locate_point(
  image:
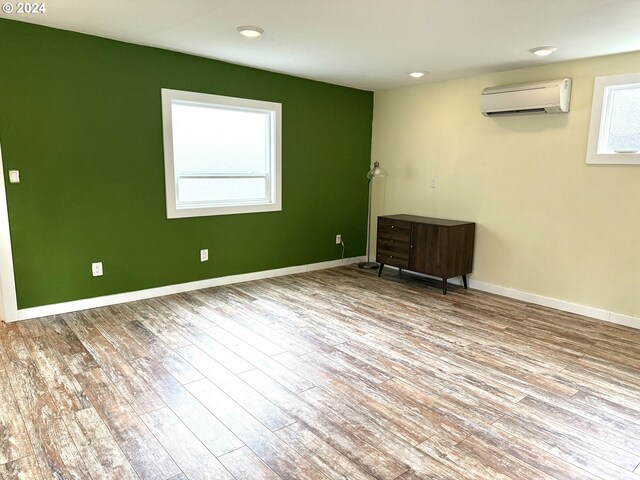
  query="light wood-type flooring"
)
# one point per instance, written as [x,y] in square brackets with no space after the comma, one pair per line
[335,374]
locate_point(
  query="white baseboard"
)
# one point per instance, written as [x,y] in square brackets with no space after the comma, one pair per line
[584,310]
[625,320]
[74,306]
[543,301]
[57,308]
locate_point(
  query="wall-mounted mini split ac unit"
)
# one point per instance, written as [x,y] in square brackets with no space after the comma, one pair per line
[551,96]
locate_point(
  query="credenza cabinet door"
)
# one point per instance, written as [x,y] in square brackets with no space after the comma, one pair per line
[426,246]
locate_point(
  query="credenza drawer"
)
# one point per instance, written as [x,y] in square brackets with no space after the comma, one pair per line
[394,230]
[394,242]
[392,258]
[394,246]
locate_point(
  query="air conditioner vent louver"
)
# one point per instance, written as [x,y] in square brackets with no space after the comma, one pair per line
[551,96]
[516,112]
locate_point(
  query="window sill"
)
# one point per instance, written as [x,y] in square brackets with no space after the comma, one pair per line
[228,210]
[614,159]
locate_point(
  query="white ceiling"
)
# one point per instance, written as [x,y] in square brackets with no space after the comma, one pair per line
[369,44]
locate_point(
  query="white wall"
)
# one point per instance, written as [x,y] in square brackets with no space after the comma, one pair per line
[547,223]
[8,304]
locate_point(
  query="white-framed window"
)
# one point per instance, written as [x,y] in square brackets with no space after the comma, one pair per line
[614,133]
[222,155]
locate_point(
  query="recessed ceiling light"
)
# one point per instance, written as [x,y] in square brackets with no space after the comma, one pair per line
[416,74]
[543,51]
[250,31]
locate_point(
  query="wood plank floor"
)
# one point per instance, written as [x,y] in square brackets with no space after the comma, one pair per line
[335,374]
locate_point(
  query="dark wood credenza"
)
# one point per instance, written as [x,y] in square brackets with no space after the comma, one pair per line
[433,246]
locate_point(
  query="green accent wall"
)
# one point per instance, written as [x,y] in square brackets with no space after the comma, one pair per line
[80,117]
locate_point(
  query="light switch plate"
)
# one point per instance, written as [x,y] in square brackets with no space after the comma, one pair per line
[14,176]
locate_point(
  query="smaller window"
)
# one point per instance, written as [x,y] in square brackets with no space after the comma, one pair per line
[614,134]
[222,154]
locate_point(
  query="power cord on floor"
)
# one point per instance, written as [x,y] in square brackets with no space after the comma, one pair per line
[342,243]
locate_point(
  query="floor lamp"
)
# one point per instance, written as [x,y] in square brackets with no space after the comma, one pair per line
[375,172]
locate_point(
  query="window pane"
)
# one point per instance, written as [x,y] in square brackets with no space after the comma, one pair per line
[215,139]
[624,130]
[222,154]
[224,190]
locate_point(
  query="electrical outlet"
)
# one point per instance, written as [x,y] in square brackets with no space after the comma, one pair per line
[204,255]
[96,269]
[338,239]
[434,182]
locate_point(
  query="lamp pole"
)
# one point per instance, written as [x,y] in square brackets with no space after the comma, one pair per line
[376,171]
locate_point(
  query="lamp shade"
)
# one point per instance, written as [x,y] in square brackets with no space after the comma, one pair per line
[376,171]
